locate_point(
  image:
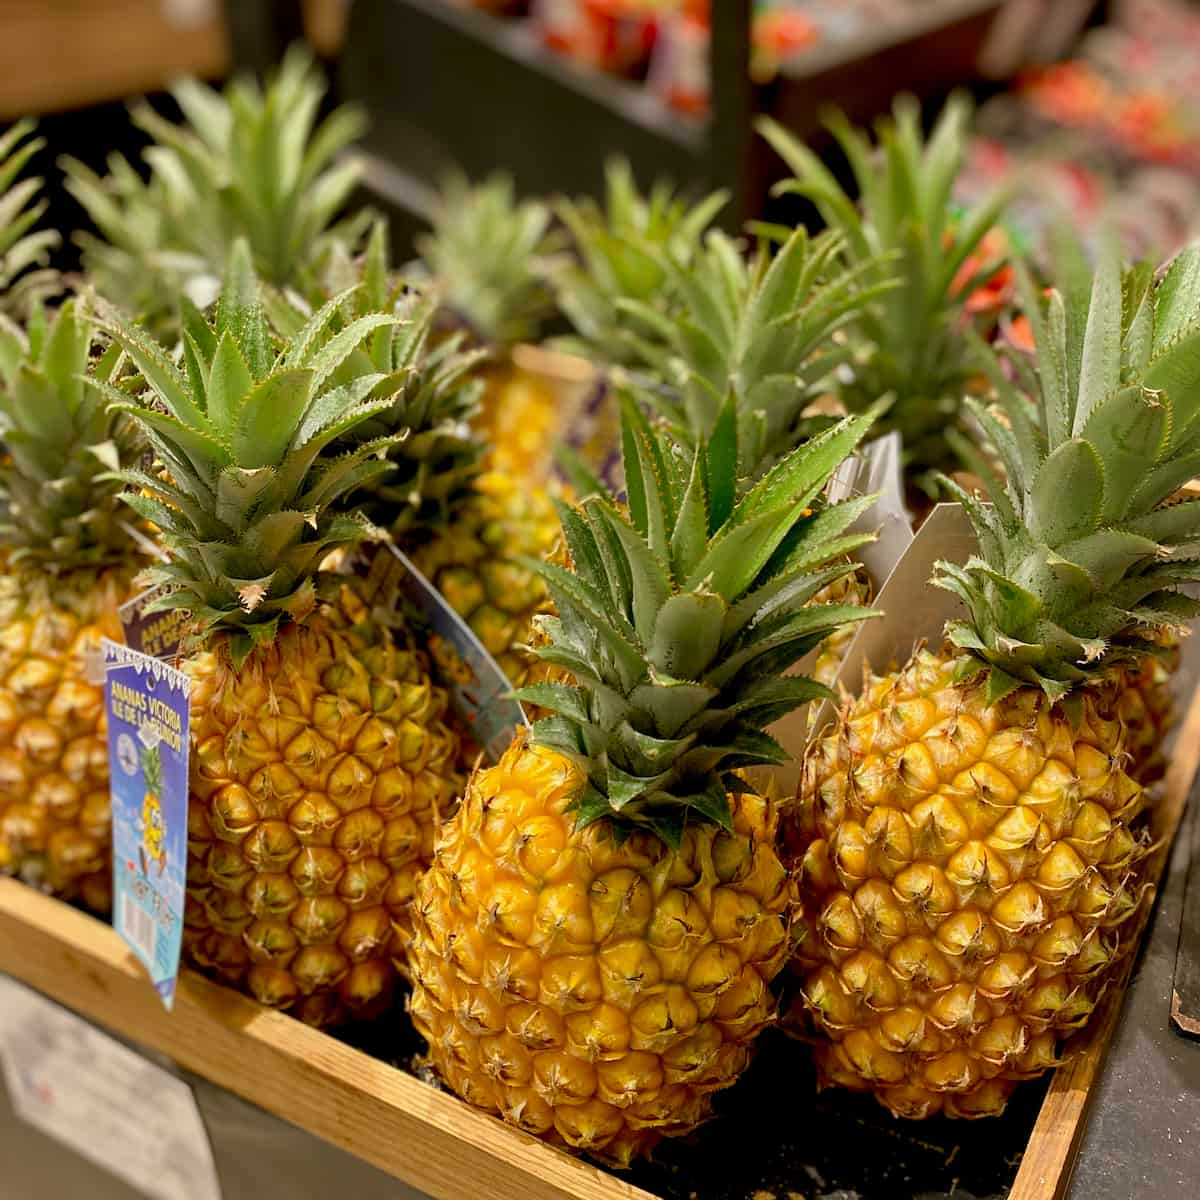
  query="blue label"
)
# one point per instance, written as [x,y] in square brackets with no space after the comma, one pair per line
[479,690]
[146,702]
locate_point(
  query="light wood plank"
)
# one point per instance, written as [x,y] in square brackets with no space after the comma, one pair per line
[71,53]
[422,1136]
[1046,1166]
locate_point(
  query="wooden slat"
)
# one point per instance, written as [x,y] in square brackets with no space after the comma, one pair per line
[390,1119]
[70,53]
[1046,1165]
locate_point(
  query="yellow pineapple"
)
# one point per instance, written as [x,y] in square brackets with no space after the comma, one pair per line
[464,521]
[1147,707]
[594,943]
[969,837]
[67,561]
[320,760]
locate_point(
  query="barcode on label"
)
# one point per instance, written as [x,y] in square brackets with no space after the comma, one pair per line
[137,927]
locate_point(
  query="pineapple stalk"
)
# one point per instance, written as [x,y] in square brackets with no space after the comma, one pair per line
[622,253]
[620,268]
[969,838]
[910,344]
[67,557]
[320,761]
[594,942]
[26,280]
[249,162]
[765,331]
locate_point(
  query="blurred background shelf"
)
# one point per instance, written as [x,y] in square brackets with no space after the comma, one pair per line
[64,54]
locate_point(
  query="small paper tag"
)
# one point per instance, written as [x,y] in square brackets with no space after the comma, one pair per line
[156,633]
[103,1100]
[479,690]
[914,611]
[876,468]
[146,702]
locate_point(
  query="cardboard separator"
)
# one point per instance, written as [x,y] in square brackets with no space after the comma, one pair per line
[914,611]
[877,468]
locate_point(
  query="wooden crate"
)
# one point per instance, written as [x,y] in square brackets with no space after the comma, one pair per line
[390,1119]
[71,53]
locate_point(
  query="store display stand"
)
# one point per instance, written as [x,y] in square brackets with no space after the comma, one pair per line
[394,1121]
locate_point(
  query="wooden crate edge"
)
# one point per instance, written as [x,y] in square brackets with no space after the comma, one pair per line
[426,1138]
[1045,1170]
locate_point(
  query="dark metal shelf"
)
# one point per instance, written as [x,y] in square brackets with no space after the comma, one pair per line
[627,99]
[449,86]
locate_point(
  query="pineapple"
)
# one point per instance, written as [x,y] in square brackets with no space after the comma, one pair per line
[969,838]
[67,558]
[320,759]
[595,940]
[463,521]
[489,254]
[248,162]
[26,280]
[912,344]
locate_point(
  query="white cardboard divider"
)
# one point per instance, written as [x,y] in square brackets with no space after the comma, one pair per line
[914,611]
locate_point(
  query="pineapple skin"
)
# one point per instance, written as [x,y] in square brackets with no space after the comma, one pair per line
[319,773]
[590,993]
[55,815]
[473,564]
[969,878]
[850,589]
[520,419]
[1148,711]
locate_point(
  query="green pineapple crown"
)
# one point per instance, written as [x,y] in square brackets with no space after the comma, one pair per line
[432,384]
[910,343]
[60,506]
[152,769]
[621,248]
[26,281]
[250,500]
[250,162]
[759,331]
[489,255]
[433,389]
[1081,551]
[679,618]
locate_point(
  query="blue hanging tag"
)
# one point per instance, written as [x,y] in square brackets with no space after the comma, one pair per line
[146,703]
